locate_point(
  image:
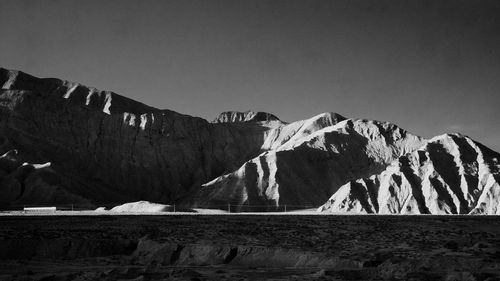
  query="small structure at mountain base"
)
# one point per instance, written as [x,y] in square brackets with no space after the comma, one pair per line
[39,209]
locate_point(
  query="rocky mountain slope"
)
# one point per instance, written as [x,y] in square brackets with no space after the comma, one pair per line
[65,143]
[450,174]
[300,170]
[109,149]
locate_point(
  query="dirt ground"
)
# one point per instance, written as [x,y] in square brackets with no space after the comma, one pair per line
[250,247]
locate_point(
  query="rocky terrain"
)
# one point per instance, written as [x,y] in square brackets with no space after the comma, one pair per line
[316,159]
[63,143]
[203,247]
[450,174]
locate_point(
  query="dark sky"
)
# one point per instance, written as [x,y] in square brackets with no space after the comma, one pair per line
[429,66]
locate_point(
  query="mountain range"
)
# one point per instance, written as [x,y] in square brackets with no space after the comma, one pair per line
[64,143]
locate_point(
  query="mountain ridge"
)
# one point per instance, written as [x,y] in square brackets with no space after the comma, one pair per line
[324,159]
[450,174]
[247,116]
[65,143]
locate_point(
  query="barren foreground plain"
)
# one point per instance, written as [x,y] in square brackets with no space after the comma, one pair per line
[250,247]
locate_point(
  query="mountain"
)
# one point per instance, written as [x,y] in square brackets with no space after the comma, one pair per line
[308,161]
[450,174]
[64,143]
[108,149]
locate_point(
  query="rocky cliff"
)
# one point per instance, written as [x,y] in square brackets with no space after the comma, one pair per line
[65,143]
[450,174]
[109,149]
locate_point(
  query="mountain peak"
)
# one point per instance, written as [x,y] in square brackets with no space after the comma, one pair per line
[247,116]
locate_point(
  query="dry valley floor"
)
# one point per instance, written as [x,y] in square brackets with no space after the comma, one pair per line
[210,247]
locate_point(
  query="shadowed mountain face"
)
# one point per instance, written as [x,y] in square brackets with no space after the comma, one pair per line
[66,143]
[106,148]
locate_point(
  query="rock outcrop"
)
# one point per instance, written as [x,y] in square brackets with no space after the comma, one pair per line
[29,184]
[450,174]
[248,116]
